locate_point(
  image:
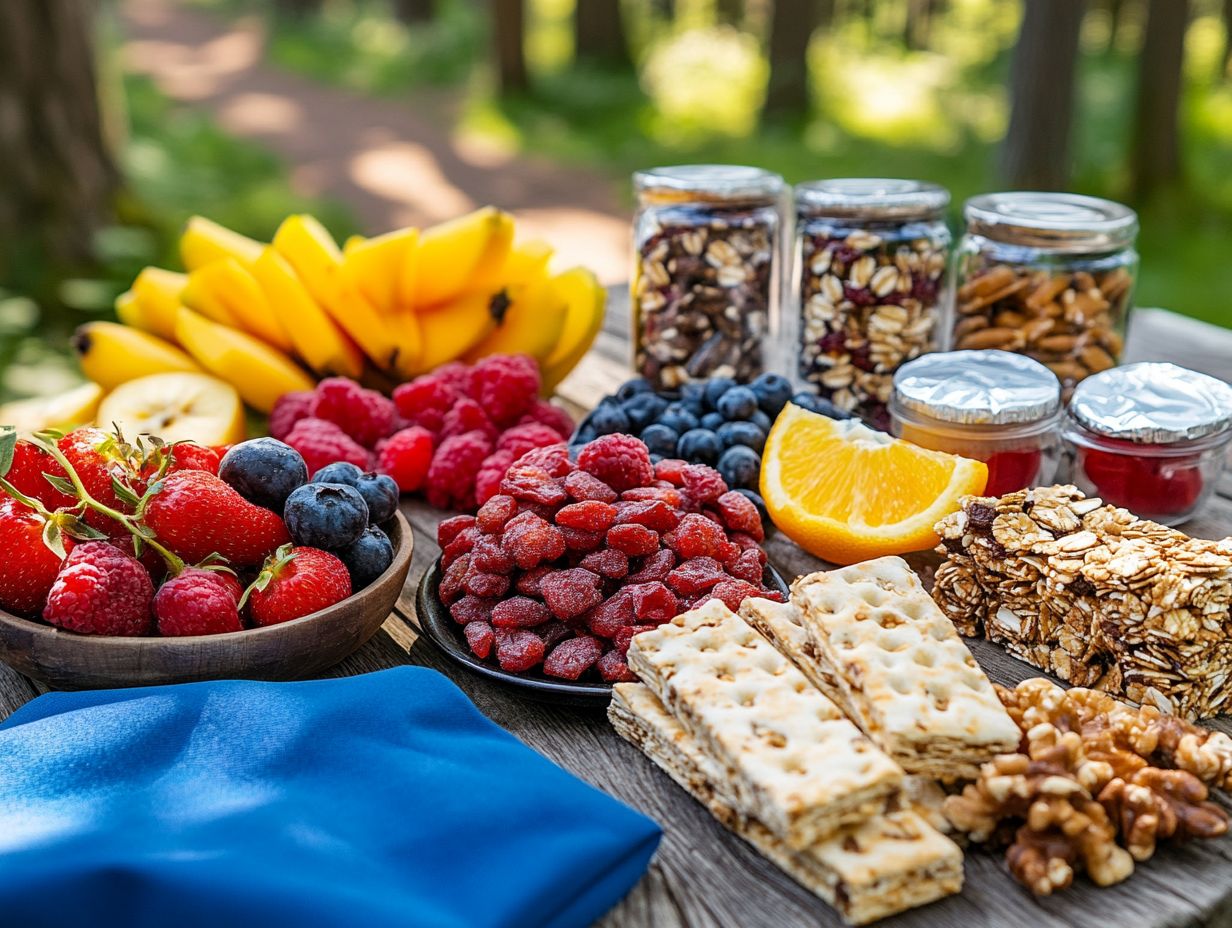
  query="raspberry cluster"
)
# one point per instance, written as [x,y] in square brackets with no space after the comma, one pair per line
[567,561]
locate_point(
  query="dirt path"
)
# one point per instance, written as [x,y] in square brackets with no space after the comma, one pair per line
[393,162]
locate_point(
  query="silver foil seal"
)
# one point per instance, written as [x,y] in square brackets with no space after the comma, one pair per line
[1152,403]
[988,387]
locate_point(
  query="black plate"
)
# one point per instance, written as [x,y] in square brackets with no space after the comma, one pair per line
[445,633]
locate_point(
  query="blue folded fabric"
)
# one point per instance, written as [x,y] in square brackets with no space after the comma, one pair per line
[380,800]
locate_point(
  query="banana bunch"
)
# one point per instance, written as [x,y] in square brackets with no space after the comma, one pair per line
[272,318]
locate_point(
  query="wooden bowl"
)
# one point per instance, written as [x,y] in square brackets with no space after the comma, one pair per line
[299,648]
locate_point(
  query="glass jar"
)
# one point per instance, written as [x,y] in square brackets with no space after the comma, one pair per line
[871,257]
[705,282]
[1150,437]
[992,406]
[1049,275]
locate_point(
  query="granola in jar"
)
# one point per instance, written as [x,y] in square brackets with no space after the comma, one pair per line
[871,256]
[706,271]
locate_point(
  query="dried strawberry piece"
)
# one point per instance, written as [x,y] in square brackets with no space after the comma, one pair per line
[578,540]
[553,632]
[498,510]
[471,609]
[589,515]
[489,556]
[482,584]
[746,567]
[651,513]
[608,563]
[451,579]
[528,583]
[581,486]
[653,602]
[625,635]
[696,536]
[449,529]
[696,575]
[518,649]
[671,470]
[520,612]
[740,515]
[530,540]
[734,592]
[610,616]
[533,484]
[728,553]
[613,669]
[669,496]
[704,483]
[655,567]
[554,459]
[569,593]
[633,540]
[747,543]
[463,543]
[570,659]
[480,637]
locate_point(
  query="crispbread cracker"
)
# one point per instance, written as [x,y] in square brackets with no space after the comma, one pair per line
[907,678]
[890,863]
[793,759]
[782,624]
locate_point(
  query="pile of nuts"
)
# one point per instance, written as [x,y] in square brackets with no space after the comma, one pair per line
[702,299]
[1067,320]
[868,305]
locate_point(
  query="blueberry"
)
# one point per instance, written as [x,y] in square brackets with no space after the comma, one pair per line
[678,417]
[367,557]
[264,471]
[325,515]
[762,421]
[379,491]
[712,420]
[823,407]
[742,433]
[643,409]
[607,419]
[339,472]
[740,467]
[584,434]
[716,388]
[757,501]
[737,403]
[631,388]
[773,392]
[693,397]
[700,446]
[660,439]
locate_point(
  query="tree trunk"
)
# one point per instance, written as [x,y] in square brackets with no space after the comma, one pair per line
[1116,20]
[509,27]
[730,12]
[415,11]
[791,27]
[1035,153]
[599,32]
[58,180]
[1156,154]
[918,25]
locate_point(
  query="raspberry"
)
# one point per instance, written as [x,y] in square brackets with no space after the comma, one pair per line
[591,516]
[703,483]
[528,583]
[321,443]
[570,659]
[696,536]
[609,617]
[620,461]
[365,415]
[479,636]
[553,632]
[485,585]
[734,592]
[533,484]
[633,540]
[495,512]
[532,540]
[740,515]
[553,417]
[582,486]
[577,539]
[656,567]
[449,529]
[613,669]
[198,602]
[671,470]
[100,590]
[608,563]
[696,575]
[653,602]
[523,438]
[471,608]
[518,650]
[451,477]
[467,416]
[406,456]
[489,556]
[668,496]
[491,473]
[652,514]
[451,580]
[747,567]
[552,458]
[520,612]
[456,375]
[288,410]
[425,400]
[569,593]
[506,386]
[464,543]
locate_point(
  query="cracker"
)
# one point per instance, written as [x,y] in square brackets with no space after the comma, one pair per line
[890,863]
[782,624]
[906,676]
[794,761]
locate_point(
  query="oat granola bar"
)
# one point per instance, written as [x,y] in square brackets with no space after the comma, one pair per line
[1093,594]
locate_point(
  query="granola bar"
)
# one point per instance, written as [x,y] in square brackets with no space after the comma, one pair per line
[1094,595]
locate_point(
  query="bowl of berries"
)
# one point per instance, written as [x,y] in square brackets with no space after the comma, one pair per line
[139,563]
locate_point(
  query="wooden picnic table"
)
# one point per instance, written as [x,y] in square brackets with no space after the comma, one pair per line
[702,876]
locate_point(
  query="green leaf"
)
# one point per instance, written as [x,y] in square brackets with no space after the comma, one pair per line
[54,539]
[63,484]
[124,493]
[72,526]
[8,444]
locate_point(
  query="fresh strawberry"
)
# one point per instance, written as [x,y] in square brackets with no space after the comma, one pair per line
[91,453]
[100,591]
[30,463]
[28,567]
[297,582]
[198,602]
[196,514]
[186,455]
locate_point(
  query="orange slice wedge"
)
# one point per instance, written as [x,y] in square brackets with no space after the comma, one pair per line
[846,493]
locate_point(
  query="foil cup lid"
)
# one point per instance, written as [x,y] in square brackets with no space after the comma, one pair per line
[987,387]
[1153,403]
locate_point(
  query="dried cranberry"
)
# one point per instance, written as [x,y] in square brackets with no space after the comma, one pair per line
[633,540]
[518,649]
[480,637]
[581,486]
[530,540]
[696,575]
[519,612]
[570,659]
[498,510]
[588,515]
[569,593]
[608,563]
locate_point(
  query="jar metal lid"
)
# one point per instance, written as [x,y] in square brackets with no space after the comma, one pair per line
[685,183]
[871,198]
[986,387]
[1060,222]
[1152,403]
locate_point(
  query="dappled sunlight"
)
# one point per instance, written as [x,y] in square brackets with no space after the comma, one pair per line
[261,114]
[408,174]
[196,72]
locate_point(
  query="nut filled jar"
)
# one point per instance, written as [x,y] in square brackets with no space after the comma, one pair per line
[1049,275]
[706,272]
[992,406]
[1150,437]
[871,262]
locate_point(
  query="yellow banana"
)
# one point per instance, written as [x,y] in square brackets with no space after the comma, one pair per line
[226,292]
[527,260]
[205,241]
[451,330]
[111,354]
[585,299]
[389,341]
[531,322]
[463,255]
[382,268]
[63,411]
[159,293]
